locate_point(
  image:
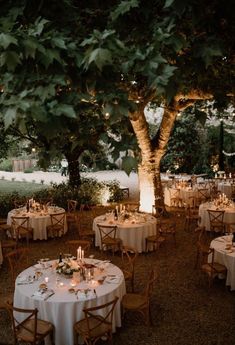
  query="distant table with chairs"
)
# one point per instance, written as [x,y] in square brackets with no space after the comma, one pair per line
[229,213]
[225,254]
[63,302]
[132,230]
[183,194]
[226,188]
[38,219]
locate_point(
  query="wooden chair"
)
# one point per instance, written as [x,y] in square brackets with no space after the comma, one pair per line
[129,256]
[191,217]
[203,241]
[95,326]
[167,228]
[108,237]
[208,264]
[56,228]
[21,228]
[31,330]
[71,212]
[84,229]
[202,196]
[175,199]
[8,242]
[229,227]
[73,245]
[216,218]
[19,203]
[155,240]
[18,260]
[140,302]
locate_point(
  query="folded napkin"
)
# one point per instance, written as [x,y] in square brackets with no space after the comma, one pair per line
[43,295]
[24,280]
[112,279]
[85,294]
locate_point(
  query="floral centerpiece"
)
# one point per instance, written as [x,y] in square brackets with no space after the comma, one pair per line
[67,267]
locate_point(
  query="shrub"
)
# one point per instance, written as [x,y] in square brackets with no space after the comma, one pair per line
[6,165]
[28,170]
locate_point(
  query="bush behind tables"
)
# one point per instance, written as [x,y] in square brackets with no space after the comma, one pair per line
[89,193]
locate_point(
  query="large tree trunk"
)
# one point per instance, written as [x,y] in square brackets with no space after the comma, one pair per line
[152,151]
[73,168]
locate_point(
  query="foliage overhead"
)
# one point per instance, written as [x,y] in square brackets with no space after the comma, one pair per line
[59,57]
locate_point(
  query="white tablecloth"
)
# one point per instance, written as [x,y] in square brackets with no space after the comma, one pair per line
[226,188]
[37,220]
[131,234]
[184,194]
[229,215]
[63,309]
[225,257]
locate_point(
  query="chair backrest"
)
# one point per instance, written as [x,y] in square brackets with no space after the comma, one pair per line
[19,326]
[204,252]
[19,225]
[71,206]
[107,231]
[73,245]
[149,286]
[19,203]
[93,313]
[129,256]
[18,260]
[174,193]
[216,217]
[58,219]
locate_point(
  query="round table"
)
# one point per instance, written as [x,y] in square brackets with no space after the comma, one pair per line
[226,257]
[63,308]
[132,231]
[229,214]
[226,188]
[38,220]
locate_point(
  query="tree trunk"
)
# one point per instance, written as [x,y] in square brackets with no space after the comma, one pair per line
[73,169]
[152,151]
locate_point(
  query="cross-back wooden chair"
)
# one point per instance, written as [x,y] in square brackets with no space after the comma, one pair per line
[208,264]
[73,245]
[31,330]
[202,195]
[57,226]
[140,302]
[95,326]
[175,198]
[18,260]
[21,228]
[129,256]
[154,240]
[108,237]
[191,216]
[84,229]
[19,203]
[216,218]
[202,242]
[167,227]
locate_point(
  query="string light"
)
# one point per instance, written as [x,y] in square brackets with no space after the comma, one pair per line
[229,154]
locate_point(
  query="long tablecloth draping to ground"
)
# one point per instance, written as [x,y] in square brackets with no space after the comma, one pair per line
[64,308]
[132,231]
[226,257]
[38,220]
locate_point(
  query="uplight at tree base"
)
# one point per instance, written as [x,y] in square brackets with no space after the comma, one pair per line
[146,196]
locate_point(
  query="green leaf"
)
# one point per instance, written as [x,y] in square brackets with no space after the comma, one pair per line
[168,3]
[129,163]
[11,59]
[30,47]
[66,110]
[6,40]
[45,92]
[123,8]
[58,42]
[100,57]
[9,117]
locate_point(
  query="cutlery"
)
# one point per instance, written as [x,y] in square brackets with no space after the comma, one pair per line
[95,293]
[49,296]
[24,283]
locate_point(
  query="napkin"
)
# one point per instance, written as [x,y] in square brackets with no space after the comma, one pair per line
[43,295]
[112,279]
[85,294]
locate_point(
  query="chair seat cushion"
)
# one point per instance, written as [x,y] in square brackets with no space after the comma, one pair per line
[217,268]
[111,241]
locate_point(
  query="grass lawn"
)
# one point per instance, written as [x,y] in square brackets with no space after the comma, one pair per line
[23,188]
